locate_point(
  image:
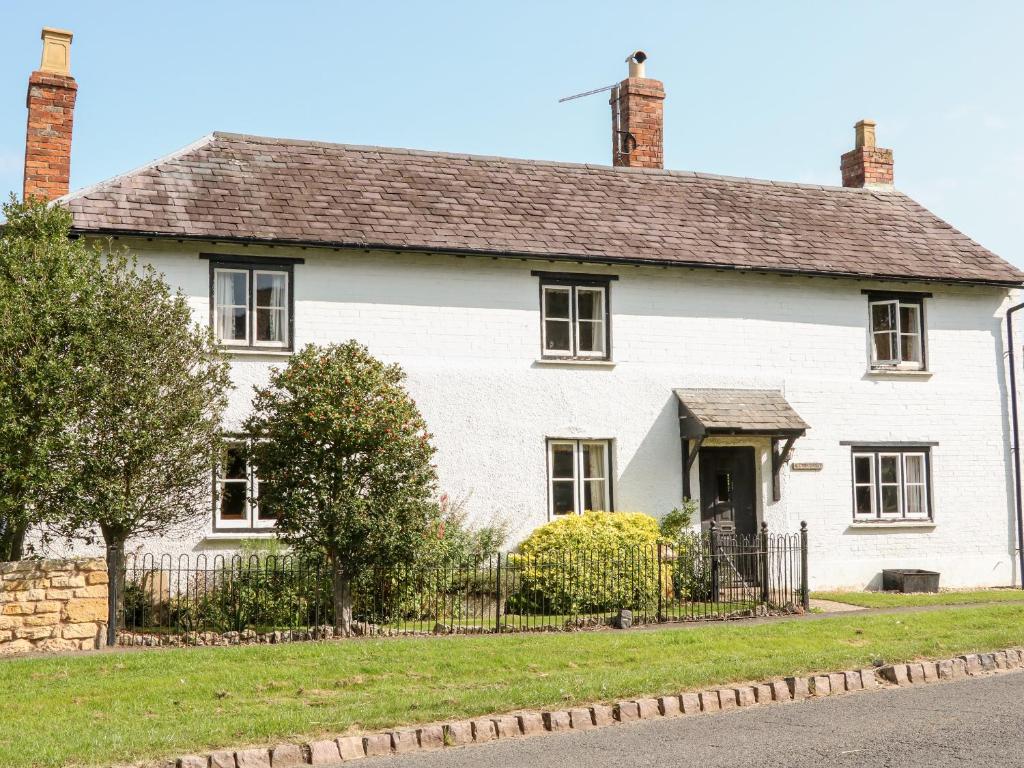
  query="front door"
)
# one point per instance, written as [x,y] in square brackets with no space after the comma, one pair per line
[727,492]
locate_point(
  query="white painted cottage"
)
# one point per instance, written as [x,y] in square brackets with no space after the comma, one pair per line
[607,337]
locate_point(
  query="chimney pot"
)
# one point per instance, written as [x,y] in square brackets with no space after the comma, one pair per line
[56,51]
[864,133]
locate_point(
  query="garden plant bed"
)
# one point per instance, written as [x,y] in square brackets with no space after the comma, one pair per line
[132,707]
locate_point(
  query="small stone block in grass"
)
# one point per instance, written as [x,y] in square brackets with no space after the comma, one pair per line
[972,662]
[580,718]
[988,661]
[852,681]
[895,673]
[403,742]
[556,721]
[377,744]
[287,756]
[868,679]
[351,747]
[727,698]
[648,708]
[626,711]
[324,753]
[709,701]
[432,736]
[193,761]
[483,730]
[959,668]
[820,685]
[1012,657]
[944,669]
[762,693]
[669,706]
[603,714]
[915,672]
[252,758]
[222,760]
[931,671]
[506,726]
[1000,658]
[457,734]
[531,723]
[690,703]
[837,682]
[780,691]
[745,696]
[798,688]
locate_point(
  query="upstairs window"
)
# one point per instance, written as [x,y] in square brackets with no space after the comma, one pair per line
[251,303]
[897,331]
[574,316]
[579,476]
[236,490]
[891,484]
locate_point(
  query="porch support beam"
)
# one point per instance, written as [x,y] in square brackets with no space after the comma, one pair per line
[690,450]
[779,458]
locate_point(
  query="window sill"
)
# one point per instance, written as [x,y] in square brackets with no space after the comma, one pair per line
[569,361]
[896,373]
[256,352]
[241,535]
[879,525]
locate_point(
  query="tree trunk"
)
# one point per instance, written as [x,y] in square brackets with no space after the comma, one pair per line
[12,541]
[341,588]
[115,581]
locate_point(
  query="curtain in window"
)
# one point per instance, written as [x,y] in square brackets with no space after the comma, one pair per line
[232,305]
[271,307]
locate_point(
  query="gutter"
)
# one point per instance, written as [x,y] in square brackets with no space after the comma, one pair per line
[498,253]
[1015,426]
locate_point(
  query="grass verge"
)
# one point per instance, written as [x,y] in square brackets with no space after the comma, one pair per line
[895,599]
[108,708]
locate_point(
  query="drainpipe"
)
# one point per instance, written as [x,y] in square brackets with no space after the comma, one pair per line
[1015,425]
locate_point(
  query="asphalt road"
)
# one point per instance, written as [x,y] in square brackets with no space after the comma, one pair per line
[974,722]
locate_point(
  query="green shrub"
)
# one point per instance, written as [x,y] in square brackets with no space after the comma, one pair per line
[679,521]
[596,562]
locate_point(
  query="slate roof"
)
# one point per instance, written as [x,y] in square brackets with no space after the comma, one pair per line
[710,411]
[229,186]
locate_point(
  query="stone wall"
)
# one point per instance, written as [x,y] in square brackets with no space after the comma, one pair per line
[53,605]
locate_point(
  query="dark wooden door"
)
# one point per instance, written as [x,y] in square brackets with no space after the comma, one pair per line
[727,492]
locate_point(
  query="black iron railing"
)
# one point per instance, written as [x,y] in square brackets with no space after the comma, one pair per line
[276,598]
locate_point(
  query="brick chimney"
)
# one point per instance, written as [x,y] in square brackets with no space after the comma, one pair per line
[51,108]
[866,165]
[637,123]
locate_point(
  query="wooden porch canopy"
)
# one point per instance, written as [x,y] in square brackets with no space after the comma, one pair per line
[707,413]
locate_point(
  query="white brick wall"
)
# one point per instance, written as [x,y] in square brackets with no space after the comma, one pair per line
[466,330]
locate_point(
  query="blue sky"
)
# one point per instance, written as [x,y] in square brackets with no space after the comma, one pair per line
[769,90]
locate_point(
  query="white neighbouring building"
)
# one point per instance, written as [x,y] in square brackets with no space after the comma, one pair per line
[610,337]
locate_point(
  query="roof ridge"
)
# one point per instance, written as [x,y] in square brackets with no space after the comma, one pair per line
[547,163]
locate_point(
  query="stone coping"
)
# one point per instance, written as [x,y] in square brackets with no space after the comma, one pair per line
[534,723]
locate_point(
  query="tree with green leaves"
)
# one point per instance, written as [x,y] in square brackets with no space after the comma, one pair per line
[149,398]
[345,462]
[48,288]
[111,396]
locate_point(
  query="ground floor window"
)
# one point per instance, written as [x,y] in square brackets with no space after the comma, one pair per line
[891,483]
[579,476]
[236,490]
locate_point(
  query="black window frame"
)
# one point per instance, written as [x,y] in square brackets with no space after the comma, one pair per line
[252,264]
[910,298]
[574,281]
[876,451]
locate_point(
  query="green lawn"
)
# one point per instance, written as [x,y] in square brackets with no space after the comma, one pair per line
[895,599]
[107,708]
